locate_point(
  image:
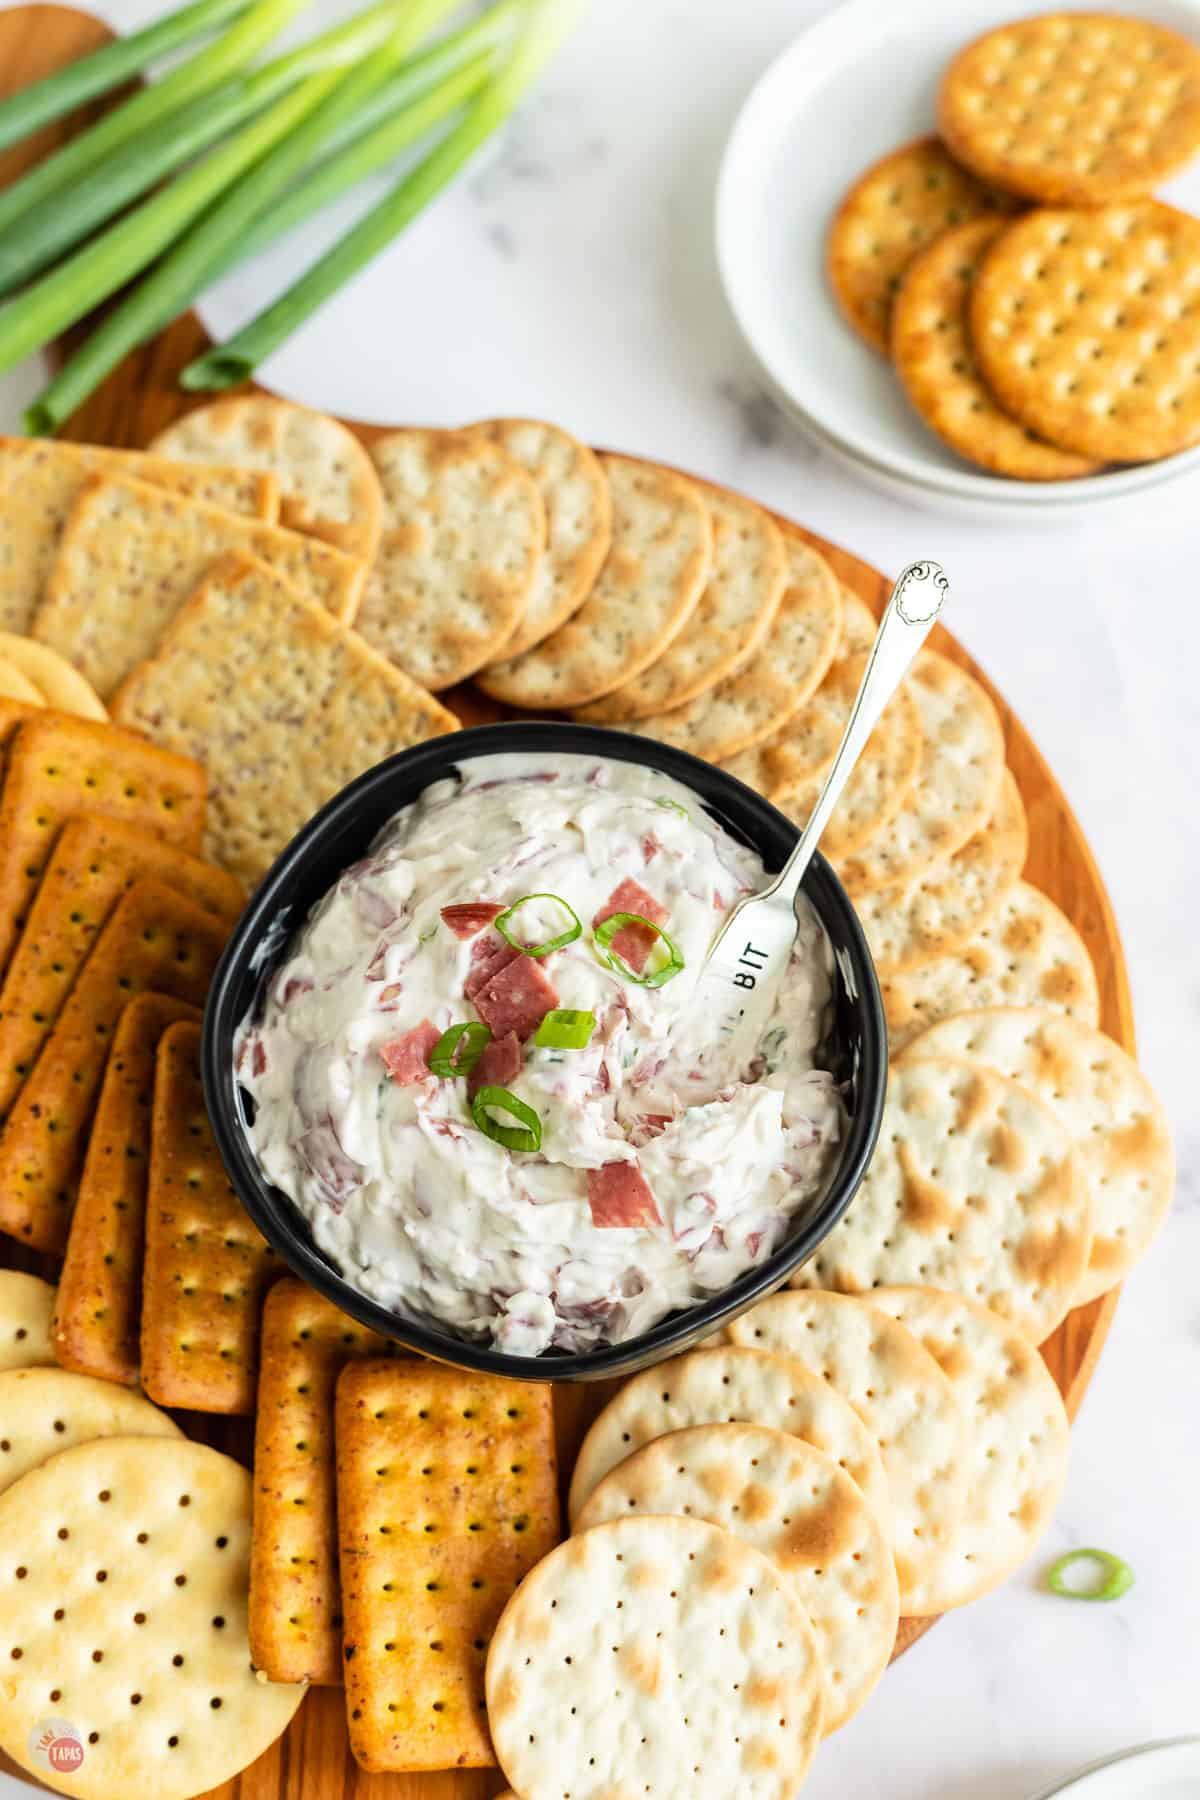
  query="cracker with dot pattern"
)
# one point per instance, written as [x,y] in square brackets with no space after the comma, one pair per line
[155,939]
[1074,109]
[97,1318]
[446,1498]
[123,1567]
[935,359]
[44,1411]
[902,203]
[26,1319]
[974,1186]
[295,1600]
[1086,326]
[206,1267]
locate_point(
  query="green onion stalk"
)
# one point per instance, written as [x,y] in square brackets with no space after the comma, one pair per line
[108,68]
[134,168]
[225,365]
[125,124]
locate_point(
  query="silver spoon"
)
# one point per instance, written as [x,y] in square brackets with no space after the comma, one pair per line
[754,943]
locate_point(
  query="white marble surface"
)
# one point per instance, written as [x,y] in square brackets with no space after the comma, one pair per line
[573,275]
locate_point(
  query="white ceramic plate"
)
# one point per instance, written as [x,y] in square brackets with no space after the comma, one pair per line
[855,85]
[1169,1771]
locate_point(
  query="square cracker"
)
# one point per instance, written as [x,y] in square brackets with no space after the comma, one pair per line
[98,1314]
[206,1265]
[130,556]
[295,1601]
[446,1498]
[59,767]
[154,940]
[40,481]
[94,862]
[284,705]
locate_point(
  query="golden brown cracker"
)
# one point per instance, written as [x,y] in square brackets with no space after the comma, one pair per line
[97,1317]
[295,1599]
[446,1498]
[206,1266]
[1073,108]
[154,940]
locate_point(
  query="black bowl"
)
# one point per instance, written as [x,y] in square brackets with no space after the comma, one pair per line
[340,835]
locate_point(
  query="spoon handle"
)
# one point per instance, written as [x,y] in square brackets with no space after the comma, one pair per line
[916,600]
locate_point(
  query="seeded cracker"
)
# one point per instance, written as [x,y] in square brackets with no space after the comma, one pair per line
[26,1312]
[130,557]
[327,484]
[97,1320]
[206,1265]
[45,1411]
[284,706]
[154,940]
[295,1599]
[446,1499]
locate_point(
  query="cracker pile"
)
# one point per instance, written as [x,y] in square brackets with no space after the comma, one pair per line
[1039,307]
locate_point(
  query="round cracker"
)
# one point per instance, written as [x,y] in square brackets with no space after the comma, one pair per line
[878,786]
[1082,108]
[747,707]
[1028,954]
[733,615]
[44,1411]
[974,1186]
[902,203]
[794,1504]
[1118,1123]
[943,908]
[656,1654]
[328,487]
[58,684]
[26,1321]
[935,359]
[578,521]
[653,576]
[957,783]
[16,686]
[1087,327]
[860,625]
[1018,1437]
[721,1386]
[901,1396]
[124,1569]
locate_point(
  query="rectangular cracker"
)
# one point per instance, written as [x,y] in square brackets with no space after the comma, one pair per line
[284,705]
[94,862]
[206,1266]
[156,940]
[98,1313]
[130,556]
[446,1497]
[40,481]
[295,1600]
[59,767]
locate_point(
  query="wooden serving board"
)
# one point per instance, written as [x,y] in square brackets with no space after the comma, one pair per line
[312,1761]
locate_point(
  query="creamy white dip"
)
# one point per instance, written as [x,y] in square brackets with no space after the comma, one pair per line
[414,1203]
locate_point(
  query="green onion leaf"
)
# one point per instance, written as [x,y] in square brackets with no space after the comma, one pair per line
[1114,1577]
[504,925]
[527,1135]
[458,1050]
[607,930]
[671,805]
[563,1029]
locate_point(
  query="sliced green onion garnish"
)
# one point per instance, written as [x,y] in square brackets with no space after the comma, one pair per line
[504,926]
[525,1136]
[458,1050]
[671,805]
[607,930]
[1114,1577]
[563,1029]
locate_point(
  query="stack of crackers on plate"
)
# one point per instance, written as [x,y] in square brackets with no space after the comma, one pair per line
[1040,309]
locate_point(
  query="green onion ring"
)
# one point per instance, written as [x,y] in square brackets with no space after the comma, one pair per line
[1118,1576]
[671,805]
[607,930]
[564,1029]
[526,1136]
[447,1061]
[574,929]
